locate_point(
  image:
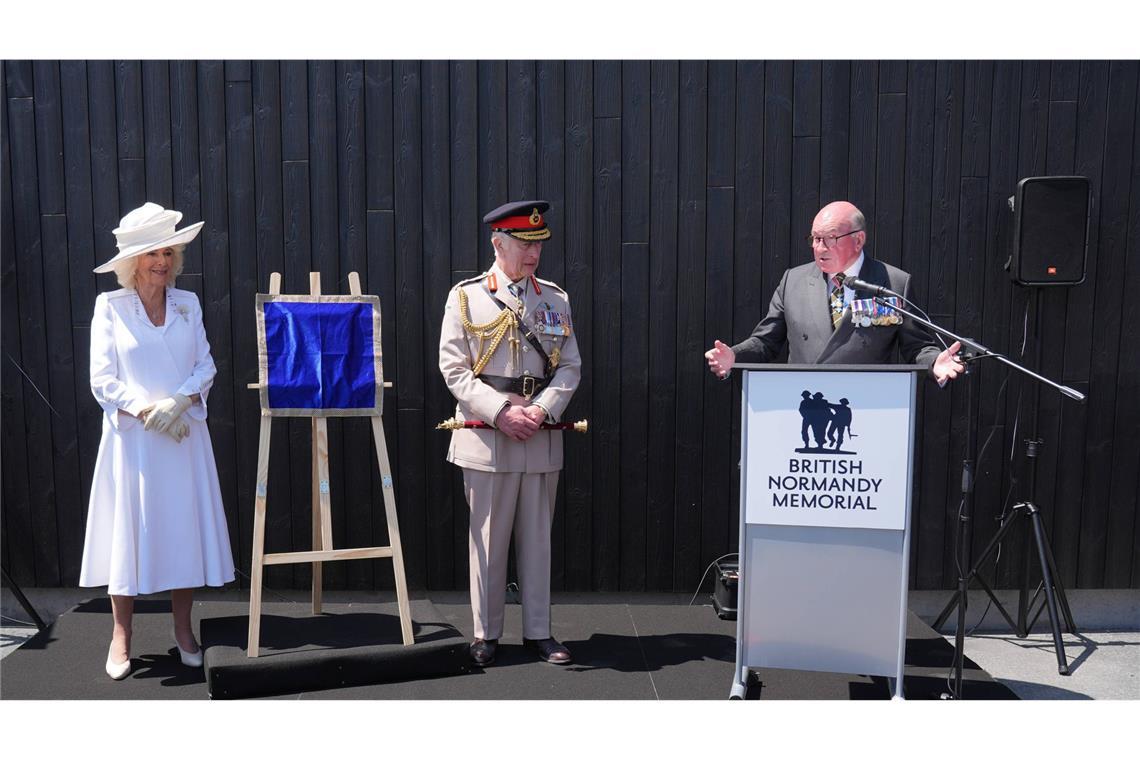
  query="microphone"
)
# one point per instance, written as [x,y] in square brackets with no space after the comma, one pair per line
[856,284]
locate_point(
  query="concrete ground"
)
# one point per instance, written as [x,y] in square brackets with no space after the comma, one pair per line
[1104,658]
[1102,664]
[12,636]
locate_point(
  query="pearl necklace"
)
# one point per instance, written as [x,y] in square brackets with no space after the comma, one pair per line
[139,306]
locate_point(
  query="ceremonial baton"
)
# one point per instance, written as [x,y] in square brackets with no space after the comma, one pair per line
[453,424]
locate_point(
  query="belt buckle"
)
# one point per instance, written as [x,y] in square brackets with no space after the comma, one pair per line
[528,390]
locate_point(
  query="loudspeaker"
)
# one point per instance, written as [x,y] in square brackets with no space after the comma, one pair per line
[1050,231]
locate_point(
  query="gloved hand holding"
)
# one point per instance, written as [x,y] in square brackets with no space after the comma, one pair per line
[165,412]
[178,430]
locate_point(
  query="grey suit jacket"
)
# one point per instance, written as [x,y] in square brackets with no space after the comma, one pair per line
[800,317]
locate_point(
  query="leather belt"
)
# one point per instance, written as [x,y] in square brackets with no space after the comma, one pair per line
[526,386]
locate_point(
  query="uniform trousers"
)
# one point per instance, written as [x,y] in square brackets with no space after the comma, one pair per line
[502,503]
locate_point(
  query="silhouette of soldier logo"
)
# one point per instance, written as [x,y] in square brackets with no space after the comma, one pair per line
[840,422]
[806,413]
[826,423]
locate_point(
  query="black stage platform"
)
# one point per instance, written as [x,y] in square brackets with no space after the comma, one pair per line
[624,648]
[346,645]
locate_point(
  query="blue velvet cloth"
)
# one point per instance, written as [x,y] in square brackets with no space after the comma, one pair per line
[320,355]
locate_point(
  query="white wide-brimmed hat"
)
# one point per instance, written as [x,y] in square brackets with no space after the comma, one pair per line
[148,228]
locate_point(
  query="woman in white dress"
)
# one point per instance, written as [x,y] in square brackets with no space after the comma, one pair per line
[155,521]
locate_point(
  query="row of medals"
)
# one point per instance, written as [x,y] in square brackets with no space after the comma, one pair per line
[548,323]
[866,314]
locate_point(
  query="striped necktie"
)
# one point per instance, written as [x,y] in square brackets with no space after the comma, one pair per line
[518,289]
[836,299]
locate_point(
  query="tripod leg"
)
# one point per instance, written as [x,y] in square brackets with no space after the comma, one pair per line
[28,608]
[998,604]
[945,614]
[985,555]
[1061,597]
[1023,601]
[1058,644]
[959,639]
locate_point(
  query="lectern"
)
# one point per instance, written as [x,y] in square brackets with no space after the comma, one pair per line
[826,460]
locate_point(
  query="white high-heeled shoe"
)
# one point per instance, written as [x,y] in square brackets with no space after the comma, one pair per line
[189,659]
[118,670]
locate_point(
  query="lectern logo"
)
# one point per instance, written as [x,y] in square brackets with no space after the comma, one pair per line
[825,423]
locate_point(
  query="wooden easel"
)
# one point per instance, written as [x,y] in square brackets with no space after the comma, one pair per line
[323,550]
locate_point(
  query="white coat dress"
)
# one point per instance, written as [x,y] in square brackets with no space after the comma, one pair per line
[155,521]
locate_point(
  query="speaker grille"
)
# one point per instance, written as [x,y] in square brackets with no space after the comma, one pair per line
[1050,231]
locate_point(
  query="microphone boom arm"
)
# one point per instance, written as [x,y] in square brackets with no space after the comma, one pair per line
[971,344]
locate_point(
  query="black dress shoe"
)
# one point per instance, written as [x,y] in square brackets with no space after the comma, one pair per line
[483,651]
[549,650]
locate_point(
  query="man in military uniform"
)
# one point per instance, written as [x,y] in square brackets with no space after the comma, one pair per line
[509,355]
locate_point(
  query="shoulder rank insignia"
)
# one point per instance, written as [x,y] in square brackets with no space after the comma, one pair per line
[548,284]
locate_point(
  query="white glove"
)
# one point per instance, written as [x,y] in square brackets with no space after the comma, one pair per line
[178,430]
[165,412]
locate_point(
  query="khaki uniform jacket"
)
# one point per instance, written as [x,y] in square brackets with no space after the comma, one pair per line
[489,450]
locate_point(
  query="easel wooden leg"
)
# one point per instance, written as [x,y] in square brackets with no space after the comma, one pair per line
[322,505]
[318,543]
[318,539]
[390,510]
[260,491]
[323,474]
[393,532]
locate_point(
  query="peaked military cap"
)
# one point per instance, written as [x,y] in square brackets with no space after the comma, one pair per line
[520,219]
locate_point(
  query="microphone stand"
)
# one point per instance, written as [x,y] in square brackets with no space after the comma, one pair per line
[980,351]
[1045,554]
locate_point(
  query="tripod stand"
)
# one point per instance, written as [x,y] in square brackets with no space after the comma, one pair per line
[1055,598]
[1045,554]
[28,608]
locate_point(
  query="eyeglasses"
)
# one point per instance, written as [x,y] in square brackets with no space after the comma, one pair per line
[828,241]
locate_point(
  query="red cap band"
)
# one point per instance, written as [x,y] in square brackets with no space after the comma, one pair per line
[515,222]
[529,222]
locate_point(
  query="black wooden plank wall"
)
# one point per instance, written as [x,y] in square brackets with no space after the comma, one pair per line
[680,191]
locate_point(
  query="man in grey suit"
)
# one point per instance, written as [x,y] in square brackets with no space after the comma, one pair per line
[509,354]
[809,312]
